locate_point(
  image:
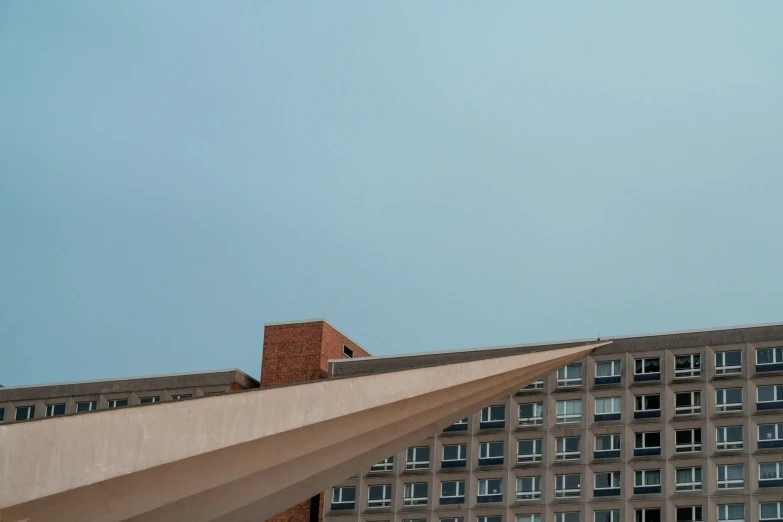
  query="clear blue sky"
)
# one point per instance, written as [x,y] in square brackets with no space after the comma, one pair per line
[425,175]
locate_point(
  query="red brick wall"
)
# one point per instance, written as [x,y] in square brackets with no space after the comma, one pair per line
[300,352]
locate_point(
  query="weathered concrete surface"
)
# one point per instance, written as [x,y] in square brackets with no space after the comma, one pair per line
[243,456]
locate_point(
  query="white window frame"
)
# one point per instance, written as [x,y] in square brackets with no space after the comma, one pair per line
[777,393]
[612,513]
[416,463]
[720,363]
[695,406]
[485,447]
[409,491]
[461,422]
[181,396]
[616,403]
[538,410]
[778,432]
[727,406]
[694,484]
[112,403]
[684,373]
[776,351]
[534,493]
[336,500]
[532,517]
[644,400]
[149,399]
[723,513]
[462,452]
[614,480]
[452,519]
[616,369]
[693,447]
[536,456]
[644,440]
[563,516]
[644,511]
[562,454]
[693,513]
[727,483]
[385,465]
[560,489]
[487,414]
[615,437]
[726,445]
[644,360]
[488,518]
[564,380]
[383,502]
[93,406]
[50,409]
[460,487]
[30,408]
[569,418]
[644,473]
[483,484]
[778,471]
[535,385]
[779,509]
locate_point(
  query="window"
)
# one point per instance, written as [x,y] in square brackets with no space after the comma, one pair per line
[567,448]
[688,479]
[490,453]
[729,399]
[529,451]
[86,406]
[731,512]
[607,369]
[687,403]
[180,396]
[648,369]
[731,476]
[729,438]
[767,357]
[460,425]
[727,363]
[530,518]
[650,440]
[531,414]
[493,417]
[348,352]
[568,485]
[607,483]
[52,410]
[607,516]
[343,498]
[117,403]
[149,400]
[770,435]
[770,474]
[688,514]
[490,490]
[647,406]
[452,492]
[687,441]
[771,511]
[647,481]
[569,411]
[767,396]
[567,517]
[386,464]
[529,488]
[495,518]
[379,496]
[418,458]
[2,414]
[648,515]
[415,494]
[452,519]
[25,413]
[607,409]
[454,456]
[687,366]
[535,385]
[570,375]
[607,446]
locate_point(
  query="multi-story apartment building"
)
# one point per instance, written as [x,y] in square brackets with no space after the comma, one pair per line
[684,427]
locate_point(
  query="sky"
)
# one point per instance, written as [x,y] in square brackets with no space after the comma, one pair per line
[424,175]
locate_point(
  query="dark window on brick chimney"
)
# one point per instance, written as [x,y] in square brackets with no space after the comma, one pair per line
[347,351]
